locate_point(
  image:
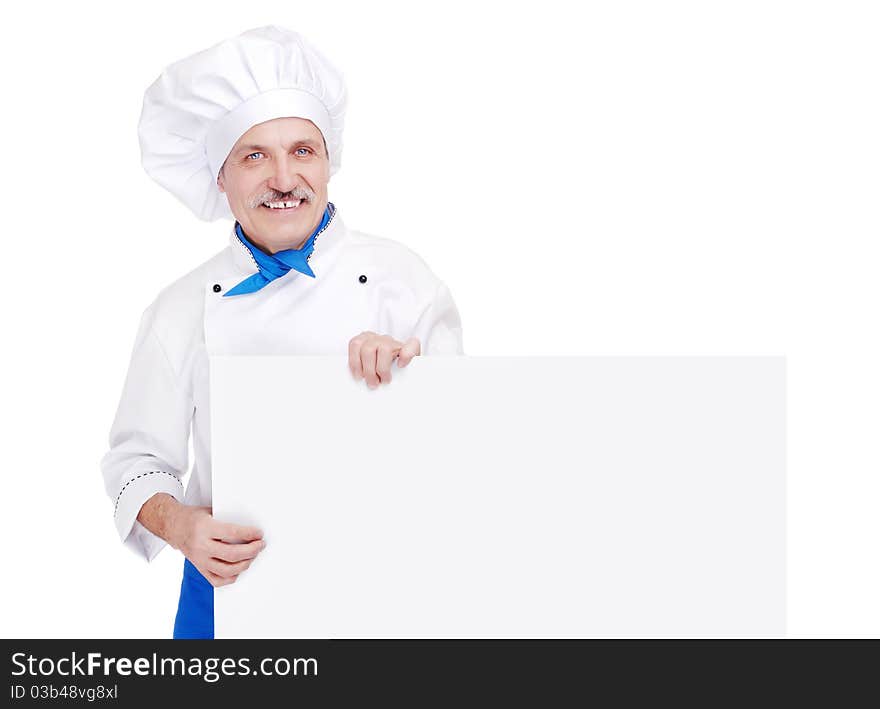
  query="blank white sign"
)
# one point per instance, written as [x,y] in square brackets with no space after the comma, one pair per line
[553,497]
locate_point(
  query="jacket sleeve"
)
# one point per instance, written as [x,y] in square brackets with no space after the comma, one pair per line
[149,439]
[439,326]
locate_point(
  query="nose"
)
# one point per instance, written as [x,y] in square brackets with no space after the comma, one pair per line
[284,176]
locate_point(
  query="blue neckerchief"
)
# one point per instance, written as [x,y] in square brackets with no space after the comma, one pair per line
[277,265]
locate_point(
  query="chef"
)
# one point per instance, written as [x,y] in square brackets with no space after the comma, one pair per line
[251,130]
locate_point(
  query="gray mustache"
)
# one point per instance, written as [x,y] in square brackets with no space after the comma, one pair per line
[302,193]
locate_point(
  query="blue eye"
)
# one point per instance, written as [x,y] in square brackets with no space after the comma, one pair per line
[306,149]
[252,154]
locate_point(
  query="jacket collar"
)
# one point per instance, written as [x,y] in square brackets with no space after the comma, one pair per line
[327,243]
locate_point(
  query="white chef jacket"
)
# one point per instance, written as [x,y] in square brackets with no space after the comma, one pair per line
[361,282]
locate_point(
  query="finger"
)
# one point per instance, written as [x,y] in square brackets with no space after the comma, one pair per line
[217,581]
[354,357]
[368,362]
[233,533]
[212,578]
[410,349]
[226,569]
[384,357]
[236,552]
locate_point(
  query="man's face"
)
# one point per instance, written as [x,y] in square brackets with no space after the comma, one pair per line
[282,160]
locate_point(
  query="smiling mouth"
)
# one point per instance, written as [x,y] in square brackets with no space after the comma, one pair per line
[288,206]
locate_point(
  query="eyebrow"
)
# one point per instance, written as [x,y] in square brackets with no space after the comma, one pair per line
[305,141]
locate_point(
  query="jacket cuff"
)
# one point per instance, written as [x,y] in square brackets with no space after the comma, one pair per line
[132,496]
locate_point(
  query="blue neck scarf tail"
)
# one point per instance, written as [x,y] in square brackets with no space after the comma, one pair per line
[276,265]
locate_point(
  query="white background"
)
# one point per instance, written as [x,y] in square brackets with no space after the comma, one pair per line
[588,178]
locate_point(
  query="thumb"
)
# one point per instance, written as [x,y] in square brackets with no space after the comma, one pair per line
[410,349]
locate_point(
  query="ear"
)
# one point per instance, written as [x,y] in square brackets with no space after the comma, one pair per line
[220,181]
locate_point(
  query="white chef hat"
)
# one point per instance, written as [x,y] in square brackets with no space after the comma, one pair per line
[201,105]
